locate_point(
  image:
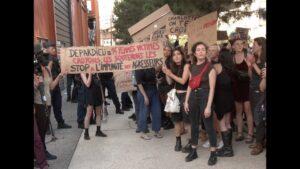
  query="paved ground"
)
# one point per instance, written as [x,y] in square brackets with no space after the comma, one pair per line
[67,139]
[123,149]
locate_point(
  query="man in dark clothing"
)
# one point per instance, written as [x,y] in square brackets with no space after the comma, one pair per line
[56,93]
[108,82]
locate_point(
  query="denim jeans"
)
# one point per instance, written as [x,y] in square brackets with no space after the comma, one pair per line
[136,104]
[154,108]
[197,104]
[110,85]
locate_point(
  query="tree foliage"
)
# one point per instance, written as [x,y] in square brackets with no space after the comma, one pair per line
[129,12]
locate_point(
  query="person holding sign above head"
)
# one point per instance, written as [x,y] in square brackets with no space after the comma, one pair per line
[178,77]
[148,99]
[199,98]
[94,100]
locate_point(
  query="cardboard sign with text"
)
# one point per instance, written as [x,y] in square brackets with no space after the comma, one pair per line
[123,81]
[160,34]
[177,23]
[94,59]
[203,29]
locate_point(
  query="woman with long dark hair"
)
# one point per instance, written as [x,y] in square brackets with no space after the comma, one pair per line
[199,100]
[178,77]
[94,101]
[241,82]
[223,105]
[256,95]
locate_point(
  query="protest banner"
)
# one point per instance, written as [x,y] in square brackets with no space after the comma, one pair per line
[94,59]
[203,29]
[243,32]
[123,81]
[177,24]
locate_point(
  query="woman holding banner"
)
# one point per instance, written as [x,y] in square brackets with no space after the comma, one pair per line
[199,98]
[178,77]
[94,101]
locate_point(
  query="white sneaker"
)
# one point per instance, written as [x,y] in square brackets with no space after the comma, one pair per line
[145,136]
[158,135]
[206,144]
[220,145]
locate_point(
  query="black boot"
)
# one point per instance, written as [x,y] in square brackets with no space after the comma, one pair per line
[63,125]
[178,144]
[86,134]
[187,148]
[226,150]
[212,158]
[100,133]
[192,155]
[50,156]
[119,111]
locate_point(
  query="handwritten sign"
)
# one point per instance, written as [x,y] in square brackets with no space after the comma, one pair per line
[123,81]
[135,56]
[159,34]
[177,23]
[203,29]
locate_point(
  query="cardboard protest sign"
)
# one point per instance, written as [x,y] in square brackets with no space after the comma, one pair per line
[159,34]
[203,29]
[93,59]
[123,81]
[222,35]
[177,23]
[243,32]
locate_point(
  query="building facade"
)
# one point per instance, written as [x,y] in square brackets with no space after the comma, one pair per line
[62,21]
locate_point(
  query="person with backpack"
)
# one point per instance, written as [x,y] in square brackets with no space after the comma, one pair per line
[241,82]
[199,98]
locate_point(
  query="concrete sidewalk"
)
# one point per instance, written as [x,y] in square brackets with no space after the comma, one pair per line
[124,149]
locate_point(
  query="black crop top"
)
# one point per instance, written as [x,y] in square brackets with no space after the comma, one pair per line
[179,72]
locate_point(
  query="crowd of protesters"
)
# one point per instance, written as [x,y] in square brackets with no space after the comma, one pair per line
[231,90]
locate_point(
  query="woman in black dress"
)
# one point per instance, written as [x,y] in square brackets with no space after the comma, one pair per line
[94,100]
[241,82]
[224,105]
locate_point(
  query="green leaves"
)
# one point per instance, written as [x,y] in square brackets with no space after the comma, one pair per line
[129,12]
